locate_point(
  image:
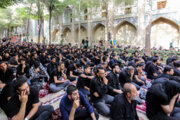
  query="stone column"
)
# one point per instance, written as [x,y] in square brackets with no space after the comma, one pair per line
[73,26]
[89,31]
[60,28]
[179,39]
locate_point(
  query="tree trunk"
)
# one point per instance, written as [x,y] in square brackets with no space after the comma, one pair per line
[28,24]
[8,32]
[43,31]
[111,20]
[60,28]
[89,25]
[79,33]
[148,34]
[39,30]
[50,19]
[73,22]
[39,21]
[141,28]
[106,26]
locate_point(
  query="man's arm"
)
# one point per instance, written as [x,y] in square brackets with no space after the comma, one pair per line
[73,110]
[93,116]
[168,108]
[21,114]
[33,111]
[71,74]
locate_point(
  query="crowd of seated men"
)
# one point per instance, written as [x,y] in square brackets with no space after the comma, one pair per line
[105,82]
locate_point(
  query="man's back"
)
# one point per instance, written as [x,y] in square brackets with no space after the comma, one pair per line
[7,76]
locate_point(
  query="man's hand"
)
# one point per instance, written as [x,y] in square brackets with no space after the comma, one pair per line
[23,66]
[23,97]
[174,97]
[96,94]
[2,85]
[76,104]
[83,76]
[118,91]
[132,73]
[36,70]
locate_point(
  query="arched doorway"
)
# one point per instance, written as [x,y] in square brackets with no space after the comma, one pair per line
[125,33]
[163,32]
[83,33]
[98,33]
[67,36]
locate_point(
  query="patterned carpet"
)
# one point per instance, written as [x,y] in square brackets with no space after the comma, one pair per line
[53,99]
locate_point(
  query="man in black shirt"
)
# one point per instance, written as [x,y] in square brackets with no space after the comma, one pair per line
[84,81]
[23,68]
[6,75]
[13,62]
[113,81]
[44,59]
[58,80]
[127,76]
[168,73]
[153,71]
[177,68]
[24,105]
[160,100]
[6,57]
[70,70]
[52,65]
[124,105]
[98,92]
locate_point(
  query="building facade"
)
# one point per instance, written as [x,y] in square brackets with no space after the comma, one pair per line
[129,23]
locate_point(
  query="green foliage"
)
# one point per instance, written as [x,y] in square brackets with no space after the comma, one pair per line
[8,19]
[83,4]
[6,3]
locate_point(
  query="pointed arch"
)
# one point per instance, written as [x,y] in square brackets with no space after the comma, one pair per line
[98,33]
[125,33]
[83,33]
[67,35]
[163,32]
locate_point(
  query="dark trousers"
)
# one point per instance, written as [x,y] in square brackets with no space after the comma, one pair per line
[83,114]
[43,113]
[161,116]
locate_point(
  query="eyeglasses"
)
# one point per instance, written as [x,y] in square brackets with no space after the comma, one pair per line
[102,73]
[24,89]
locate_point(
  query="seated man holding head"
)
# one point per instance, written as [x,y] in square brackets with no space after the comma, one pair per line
[75,106]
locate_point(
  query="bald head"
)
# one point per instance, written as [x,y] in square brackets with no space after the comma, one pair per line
[130,91]
[129,86]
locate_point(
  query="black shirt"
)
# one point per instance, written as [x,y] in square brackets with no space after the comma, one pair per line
[82,82]
[121,109]
[113,82]
[6,77]
[56,73]
[98,86]
[176,72]
[12,61]
[26,70]
[6,58]
[151,70]
[154,99]
[13,105]
[124,77]
[70,68]
[44,60]
[51,67]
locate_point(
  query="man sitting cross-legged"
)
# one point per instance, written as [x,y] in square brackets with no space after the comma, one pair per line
[24,104]
[75,106]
